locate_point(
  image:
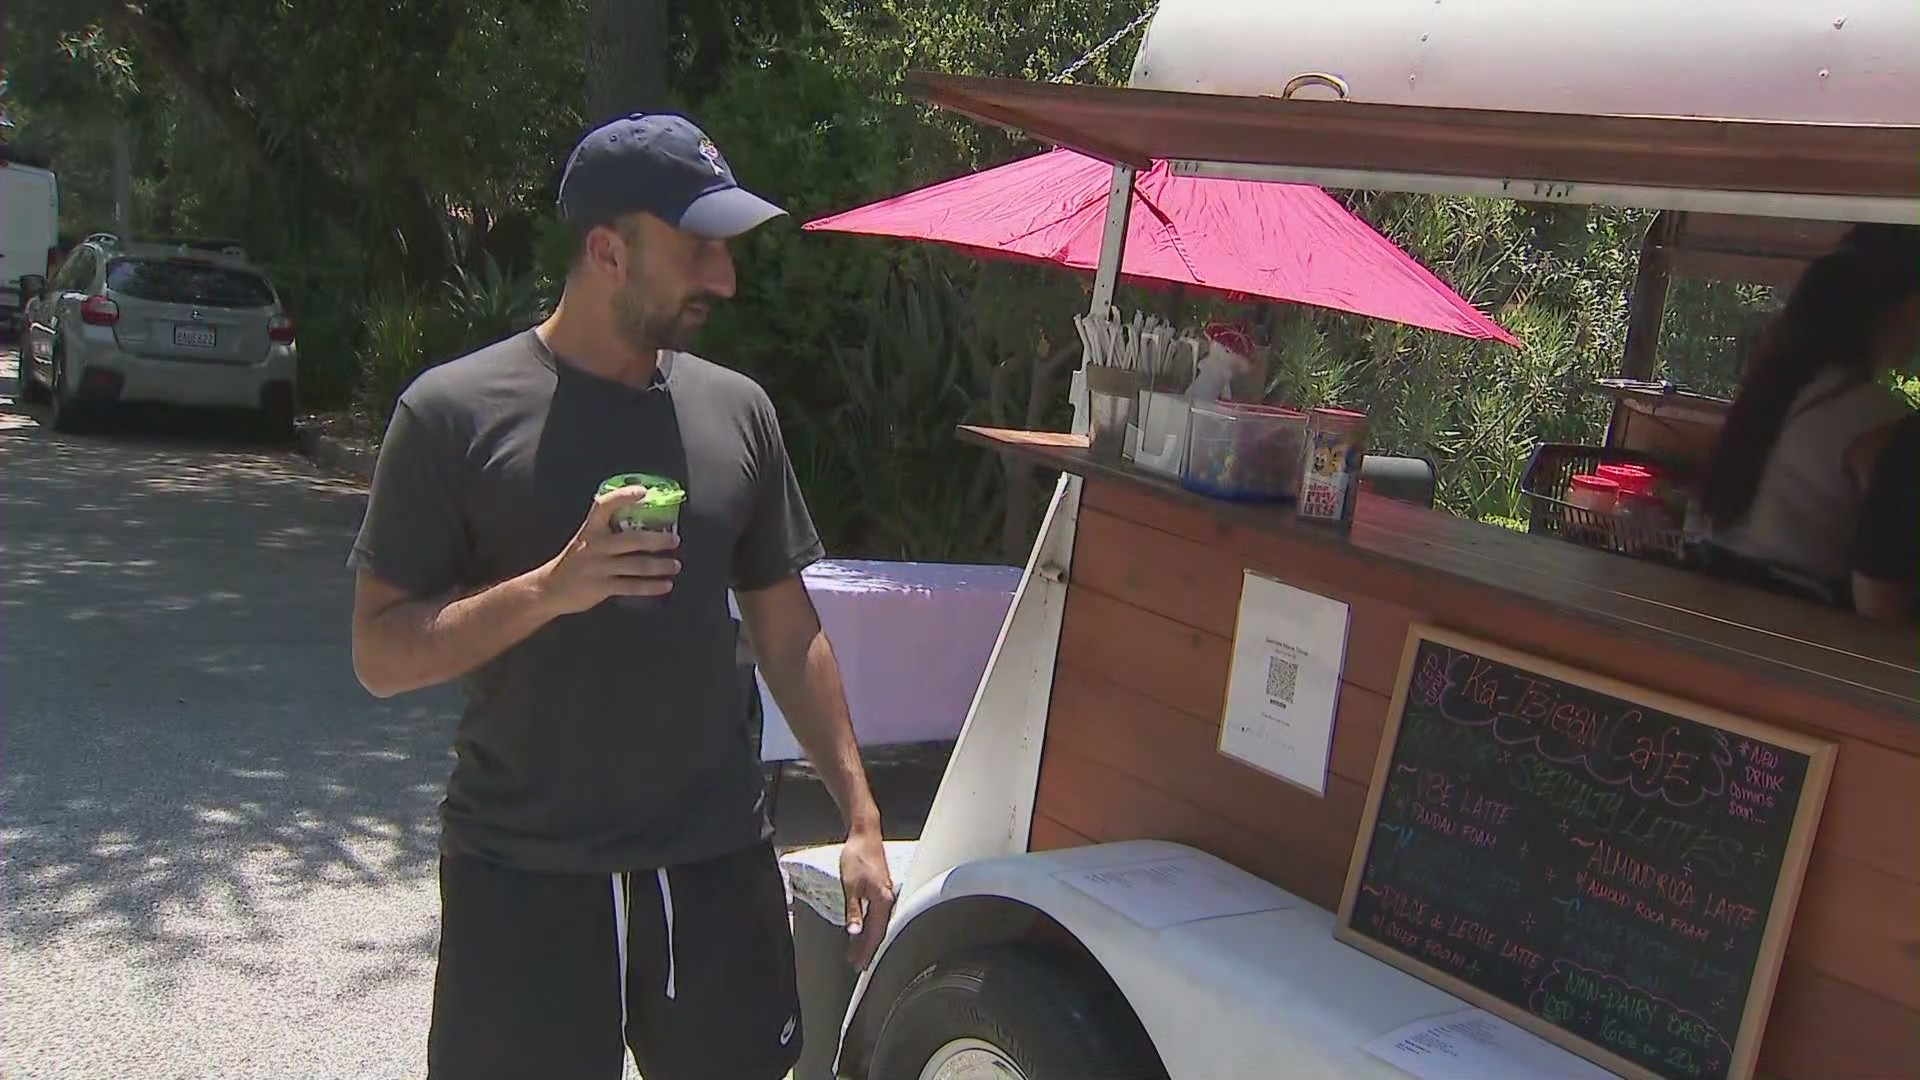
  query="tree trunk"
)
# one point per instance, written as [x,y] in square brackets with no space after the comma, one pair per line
[162,44]
[1016,529]
[1017,526]
[423,231]
[122,138]
[626,58]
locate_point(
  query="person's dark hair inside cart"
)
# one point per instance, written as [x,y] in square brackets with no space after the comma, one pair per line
[607,880]
[1886,550]
[1784,486]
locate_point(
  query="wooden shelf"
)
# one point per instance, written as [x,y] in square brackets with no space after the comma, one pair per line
[1825,649]
[1135,127]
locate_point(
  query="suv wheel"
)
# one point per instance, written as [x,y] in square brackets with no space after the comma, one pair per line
[275,418]
[69,416]
[29,391]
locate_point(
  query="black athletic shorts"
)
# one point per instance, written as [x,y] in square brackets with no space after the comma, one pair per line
[554,976]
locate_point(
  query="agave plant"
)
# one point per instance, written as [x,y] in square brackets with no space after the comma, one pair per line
[401,337]
[882,465]
[486,304]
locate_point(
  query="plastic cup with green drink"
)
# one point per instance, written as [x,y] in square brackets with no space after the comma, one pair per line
[657,511]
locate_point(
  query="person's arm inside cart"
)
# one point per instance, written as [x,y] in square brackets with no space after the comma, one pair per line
[798,664]
[1886,552]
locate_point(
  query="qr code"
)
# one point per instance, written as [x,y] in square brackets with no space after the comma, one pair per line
[1282,675]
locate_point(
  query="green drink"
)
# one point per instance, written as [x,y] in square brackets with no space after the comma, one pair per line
[658,511]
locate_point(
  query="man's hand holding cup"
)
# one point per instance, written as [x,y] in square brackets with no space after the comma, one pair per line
[623,549]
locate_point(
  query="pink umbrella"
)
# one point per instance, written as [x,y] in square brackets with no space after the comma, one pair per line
[1289,242]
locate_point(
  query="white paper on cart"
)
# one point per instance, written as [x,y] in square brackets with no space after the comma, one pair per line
[1167,892]
[1473,1044]
[1282,689]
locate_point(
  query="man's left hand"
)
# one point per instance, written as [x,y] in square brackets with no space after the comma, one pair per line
[868,884]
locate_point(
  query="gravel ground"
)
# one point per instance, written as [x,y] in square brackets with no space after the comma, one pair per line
[216,851]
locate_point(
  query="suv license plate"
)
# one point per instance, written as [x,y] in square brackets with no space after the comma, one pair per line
[198,337]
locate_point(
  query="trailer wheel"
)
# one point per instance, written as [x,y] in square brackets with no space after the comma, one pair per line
[1012,1014]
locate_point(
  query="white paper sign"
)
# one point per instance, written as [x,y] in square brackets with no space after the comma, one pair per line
[1167,892]
[1473,1044]
[1288,648]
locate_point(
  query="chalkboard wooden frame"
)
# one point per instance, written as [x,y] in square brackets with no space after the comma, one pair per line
[1786,895]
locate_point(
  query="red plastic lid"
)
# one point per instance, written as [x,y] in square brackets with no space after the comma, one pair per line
[1346,414]
[1636,478]
[1233,336]
[1596,483]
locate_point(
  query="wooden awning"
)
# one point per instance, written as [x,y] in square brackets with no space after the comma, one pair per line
[1135,126]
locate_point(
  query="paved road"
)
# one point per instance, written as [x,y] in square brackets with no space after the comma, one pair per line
[216,852]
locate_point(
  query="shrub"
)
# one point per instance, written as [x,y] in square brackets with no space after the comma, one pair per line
[934,356]
[402,336]
[404,333]
[485,305]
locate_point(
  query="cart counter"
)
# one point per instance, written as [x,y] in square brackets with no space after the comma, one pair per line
[1131,748]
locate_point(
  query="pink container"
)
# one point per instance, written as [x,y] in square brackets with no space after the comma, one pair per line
[1637,479]
[1594,494]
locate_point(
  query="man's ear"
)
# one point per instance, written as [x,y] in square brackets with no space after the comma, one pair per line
[607,252]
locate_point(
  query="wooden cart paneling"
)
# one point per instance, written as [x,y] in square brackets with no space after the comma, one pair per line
[1141,683]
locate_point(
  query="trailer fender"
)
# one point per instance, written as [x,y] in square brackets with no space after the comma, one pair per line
[972,906]
[1222,997]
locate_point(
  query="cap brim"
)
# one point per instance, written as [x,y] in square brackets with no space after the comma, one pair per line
[727,213]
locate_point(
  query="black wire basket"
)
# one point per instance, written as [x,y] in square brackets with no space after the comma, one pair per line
[1546,482]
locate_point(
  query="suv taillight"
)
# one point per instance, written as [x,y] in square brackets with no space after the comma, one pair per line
[280,329]
[99,311]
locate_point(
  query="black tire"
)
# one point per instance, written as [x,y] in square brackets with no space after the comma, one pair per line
[274,425]
[1049,1017]
[70,417]
[31,391]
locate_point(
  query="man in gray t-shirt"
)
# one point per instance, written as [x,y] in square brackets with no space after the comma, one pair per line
[606,875]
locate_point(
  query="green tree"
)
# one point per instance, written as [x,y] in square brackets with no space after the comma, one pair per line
[395,165]
[626,57]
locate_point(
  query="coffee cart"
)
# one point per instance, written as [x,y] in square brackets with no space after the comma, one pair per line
[1113,881]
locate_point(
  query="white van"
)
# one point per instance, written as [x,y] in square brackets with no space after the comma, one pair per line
[29,230]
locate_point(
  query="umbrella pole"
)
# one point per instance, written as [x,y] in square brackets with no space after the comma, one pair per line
[1113,243]
[1113,248]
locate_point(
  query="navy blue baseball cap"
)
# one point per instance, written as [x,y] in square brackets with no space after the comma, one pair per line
[662,164]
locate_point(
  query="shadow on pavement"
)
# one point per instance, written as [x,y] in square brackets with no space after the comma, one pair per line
[180,729]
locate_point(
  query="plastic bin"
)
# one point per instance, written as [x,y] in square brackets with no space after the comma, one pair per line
[1242,451]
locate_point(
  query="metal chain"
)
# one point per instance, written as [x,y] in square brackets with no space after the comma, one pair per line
[1107,44]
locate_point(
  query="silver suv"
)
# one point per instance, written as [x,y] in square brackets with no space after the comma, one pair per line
[183,322]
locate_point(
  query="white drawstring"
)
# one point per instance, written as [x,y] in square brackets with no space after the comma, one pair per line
[620,941]
[666,905]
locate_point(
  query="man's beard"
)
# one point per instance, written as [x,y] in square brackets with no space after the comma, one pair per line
[645,330]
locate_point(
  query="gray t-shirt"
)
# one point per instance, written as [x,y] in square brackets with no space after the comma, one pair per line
[614,739]
[1805,511]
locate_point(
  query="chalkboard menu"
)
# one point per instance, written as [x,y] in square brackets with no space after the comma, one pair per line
[1611,868]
